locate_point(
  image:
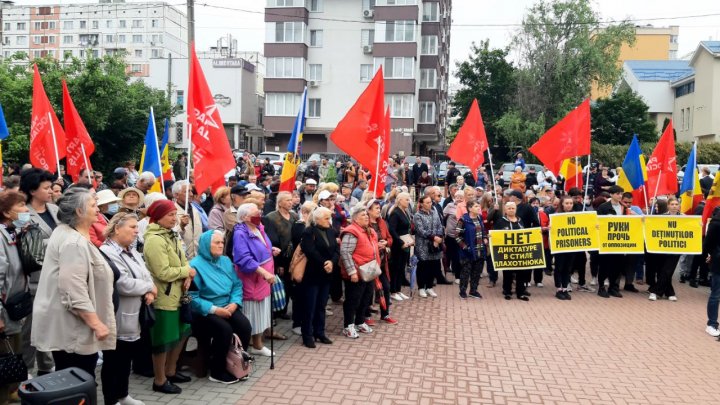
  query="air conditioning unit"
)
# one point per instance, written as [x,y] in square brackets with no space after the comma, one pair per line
[313,83]
[367,49]
[369,13]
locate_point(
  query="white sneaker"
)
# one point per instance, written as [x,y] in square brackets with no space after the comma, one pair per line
[403,296]
[328,312]
[261,352]
[296,330]
[539,285]
[672,298]
[652,297]
[607,283]
[422,293]
[431,293]
[350,332]
[712,331]
[364,328]
[457,281]
[574,279]
[128,400]
[569,288]
[396,297]
[593,281]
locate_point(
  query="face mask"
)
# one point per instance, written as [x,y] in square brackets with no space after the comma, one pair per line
[255,220]
[113,208]
[23,219]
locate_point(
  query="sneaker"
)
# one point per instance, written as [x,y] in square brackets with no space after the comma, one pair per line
[631,288]
[369,322]
[607,283]
[364,328]
[652,297]
[389,320]
[584,288]
[403,296]
[261,352]
[475,294]
[567,295]
[422,293]
[569,287]
[350,332]
[574,279]
[463,294]
[431,293]
[128,400]
[457,281]
[396,297]
[593,282]
[712,331]
[539,285]
[560,295]
[296,331]
[672,298]
[225,378]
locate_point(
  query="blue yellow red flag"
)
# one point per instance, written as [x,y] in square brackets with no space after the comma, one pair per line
[292,157]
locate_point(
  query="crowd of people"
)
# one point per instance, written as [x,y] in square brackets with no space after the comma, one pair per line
[205,262]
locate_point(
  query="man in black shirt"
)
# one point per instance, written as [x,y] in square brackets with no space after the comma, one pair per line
[418,168]
[452,174]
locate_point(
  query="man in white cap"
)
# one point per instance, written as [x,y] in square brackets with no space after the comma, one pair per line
[308,191]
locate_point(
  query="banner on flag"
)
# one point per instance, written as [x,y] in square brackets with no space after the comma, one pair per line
[662,166]
[675,234]
[569,138]
[518,249]
[621,234]
[573,232]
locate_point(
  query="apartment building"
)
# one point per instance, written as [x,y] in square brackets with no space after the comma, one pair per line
[142,31]
[335,47]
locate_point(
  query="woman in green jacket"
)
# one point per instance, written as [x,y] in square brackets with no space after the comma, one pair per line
[172,275]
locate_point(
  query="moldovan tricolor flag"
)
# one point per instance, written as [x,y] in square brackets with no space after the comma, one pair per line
[212,157]
[77,138]
[292,157]
[662,166]
[690,191]
[471,141]
[633,174]
[47,138]
[567,139]
[150,158]
[572,173]
[712,202]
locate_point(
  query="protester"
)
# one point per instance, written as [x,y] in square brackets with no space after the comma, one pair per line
[563,261]
[131,200]
[172,275]
[73,313]
[471,239]
[133,286]
[189,224]
[490,214]
[712,257]
[238,194]
[428,245]
[145,182]
[612,265]
[223,201]
[451,220]
[385,242]
[666,268]
[517,180]
[56,192]
[218,298]
[400,224]
[107,207]
[510,221]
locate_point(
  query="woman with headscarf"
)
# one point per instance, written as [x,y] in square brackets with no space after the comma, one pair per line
[172,275]
[218,300]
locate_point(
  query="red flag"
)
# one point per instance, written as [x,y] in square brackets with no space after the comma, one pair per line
[212,157]
[384,157]
[365,118]
[471,141]
[76,136]
[567,139]
[662,166]
[45,151]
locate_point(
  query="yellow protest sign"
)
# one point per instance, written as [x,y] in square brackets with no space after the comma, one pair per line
[621,234]
[673,234]
[519,249]
[573,232]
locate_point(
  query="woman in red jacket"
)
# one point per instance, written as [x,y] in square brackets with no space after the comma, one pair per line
[377,223]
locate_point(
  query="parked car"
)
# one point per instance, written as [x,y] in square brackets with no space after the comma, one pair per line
[441,173]
[509,168]
[713,170]
[318,157]
[276,158]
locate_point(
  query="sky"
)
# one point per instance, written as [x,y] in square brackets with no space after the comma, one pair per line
[473,20]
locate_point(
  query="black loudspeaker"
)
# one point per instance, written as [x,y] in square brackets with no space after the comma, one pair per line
[71,386]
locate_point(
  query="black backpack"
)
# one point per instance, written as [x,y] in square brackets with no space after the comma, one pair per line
[31,248]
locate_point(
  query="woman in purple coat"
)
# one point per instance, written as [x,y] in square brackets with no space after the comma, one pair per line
[252,255]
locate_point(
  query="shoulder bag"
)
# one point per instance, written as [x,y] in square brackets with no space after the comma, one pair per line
[12,366]
[238,361]
[298,264]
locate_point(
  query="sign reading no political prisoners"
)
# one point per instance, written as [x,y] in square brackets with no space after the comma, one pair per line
[621,234]
[573,232]
[518,249]
[673,234]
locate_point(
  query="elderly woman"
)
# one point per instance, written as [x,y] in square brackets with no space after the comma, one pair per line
[73,313]
[134,285]
[451,220]
[108,206]
[319,244]
[253,256]
[471,239]
[13,282]
[511,221]
[385,242]
[222,203]
[172,275]
[131,199]
[218,301]
[359,246]
[428,246]
[400,225]
[517,180]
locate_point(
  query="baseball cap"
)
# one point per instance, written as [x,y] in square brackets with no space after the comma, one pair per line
[253,187]
[239,190]
[311,181]
[324,195]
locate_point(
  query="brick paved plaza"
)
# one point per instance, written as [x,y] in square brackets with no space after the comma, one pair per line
[448,351]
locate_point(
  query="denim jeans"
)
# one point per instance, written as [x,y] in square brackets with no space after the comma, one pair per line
[714,301]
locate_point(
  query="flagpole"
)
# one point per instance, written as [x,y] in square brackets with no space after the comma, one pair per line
[587,180]
[646,199]
[577,181]
[87,166]
[57,155]
[492,174]
[657,187]
[187,190]
[377,168]
[157,150]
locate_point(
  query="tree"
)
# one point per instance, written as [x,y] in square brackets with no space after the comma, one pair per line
[616,119]
[114,109]
[516,133]
[563,49]
[488,77]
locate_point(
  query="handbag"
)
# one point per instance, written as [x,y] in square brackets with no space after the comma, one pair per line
[19,305]
[298,264]
[278,295]
[12,366]
[146,316]
[186,315]
[370,270]
[237,361]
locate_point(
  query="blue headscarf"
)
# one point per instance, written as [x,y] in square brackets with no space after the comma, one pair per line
[216,280]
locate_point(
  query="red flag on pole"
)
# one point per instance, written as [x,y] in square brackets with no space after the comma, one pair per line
[568,138]
[47,138]
[365,118]
[77,138]
[471,141]
[212,157]
[662,166]
[384,163]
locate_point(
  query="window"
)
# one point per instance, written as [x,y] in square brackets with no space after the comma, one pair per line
[7,26]
[95,53]
[282,104]
[44,25]
[431,11]
[285,68]
[95,24]
[286,3]
[44,10]
[368,4]
[121,39]
[68,25]
[137,39]
[316,38]
[21,26]
[401,2]
[427,112]
[367,37]
[21,40]
[316,6]
[428,79]
[154,23]
[67,39]
[314,108]
[685,89]
[400,105]
[673,39]
[400,31]
[157,39]
[108,23]
[366,73]
[138,53]
[315,72]
[396,68]
[37,39]
[122,23]
[429,45]
[109,39]
[6,40]
[687,119]
[180,99]
[137,24]
[83,24]
[289,31]
[136,68]
[82,53]
[157,53]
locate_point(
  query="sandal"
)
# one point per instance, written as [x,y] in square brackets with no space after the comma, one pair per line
[275,336]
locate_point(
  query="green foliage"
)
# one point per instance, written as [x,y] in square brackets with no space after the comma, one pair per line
[616,119]
[516,132]
[113,108]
